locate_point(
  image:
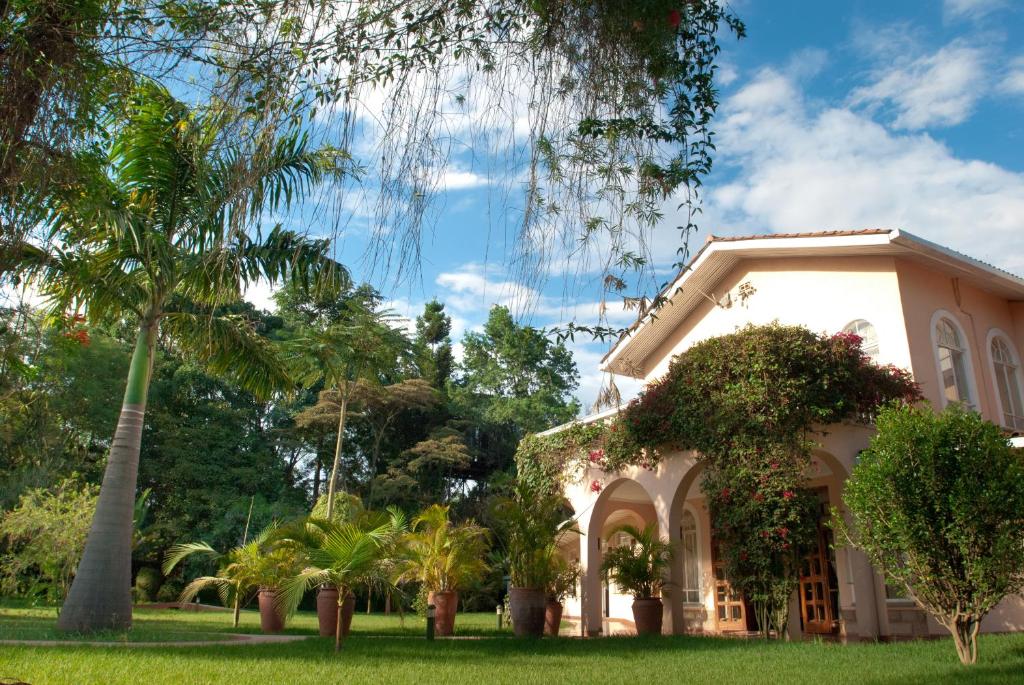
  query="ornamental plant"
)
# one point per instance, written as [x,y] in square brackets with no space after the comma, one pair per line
[748,404]
[639,567]
[937,503]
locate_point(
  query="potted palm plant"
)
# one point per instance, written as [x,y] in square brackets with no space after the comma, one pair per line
[343,555]
[444,557]
[639,569]
[530,523]
[255,568]
[346,507]
[564,579]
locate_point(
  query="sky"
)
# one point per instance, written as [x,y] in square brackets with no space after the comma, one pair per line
[834,115]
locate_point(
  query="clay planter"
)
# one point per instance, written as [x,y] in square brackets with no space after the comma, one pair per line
[271,618]
[348,608]
[327,609]
[552,618]
[445,605]
[527,607]
[648,615]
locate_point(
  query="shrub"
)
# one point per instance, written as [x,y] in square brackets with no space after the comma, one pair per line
[45,534]
[937,502]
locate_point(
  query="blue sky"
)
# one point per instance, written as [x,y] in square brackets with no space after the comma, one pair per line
[834,115]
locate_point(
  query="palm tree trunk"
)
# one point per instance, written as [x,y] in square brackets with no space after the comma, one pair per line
[238,607]
[333,482]
[342,594]
[101,594]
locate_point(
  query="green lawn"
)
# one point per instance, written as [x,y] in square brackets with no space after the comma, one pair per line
[382,651]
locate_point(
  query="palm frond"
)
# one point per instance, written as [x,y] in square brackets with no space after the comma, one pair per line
[180,551]
[230,346]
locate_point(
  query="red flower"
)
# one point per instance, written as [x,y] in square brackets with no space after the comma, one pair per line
[783,531]
[675,17]
[595,486]
[788,494]
[725,493]
[596,456]
[775,464]
[758,497]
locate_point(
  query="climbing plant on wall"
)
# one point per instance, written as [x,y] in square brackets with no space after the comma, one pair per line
[748,404]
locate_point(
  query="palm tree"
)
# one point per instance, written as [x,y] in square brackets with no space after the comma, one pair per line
[262,562]
[344,555]
[160,231]
[358,342]
[444,557]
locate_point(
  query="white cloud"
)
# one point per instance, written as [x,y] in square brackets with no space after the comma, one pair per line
[940,89]
[803,168]
[453,178]
[970,9]
[1013,81]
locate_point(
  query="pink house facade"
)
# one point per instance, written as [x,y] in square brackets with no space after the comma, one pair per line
[956,323]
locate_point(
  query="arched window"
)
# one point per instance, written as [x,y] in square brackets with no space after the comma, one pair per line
[868,337]
[1007,372]
[951,352]
[691,559]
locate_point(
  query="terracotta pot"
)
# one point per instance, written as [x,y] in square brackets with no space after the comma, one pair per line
[527,607]
[648,613]
[348,608]
[445,605]
[552,618]
[271,618]
[327,609]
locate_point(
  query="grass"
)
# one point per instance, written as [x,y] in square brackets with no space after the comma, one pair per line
[381,650]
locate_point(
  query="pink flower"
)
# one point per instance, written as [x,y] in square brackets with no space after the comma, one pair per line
[595,486]
[675,17]
[788,494]
[758,497]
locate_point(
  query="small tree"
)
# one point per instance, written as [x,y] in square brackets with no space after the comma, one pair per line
[45,534]
[937,502]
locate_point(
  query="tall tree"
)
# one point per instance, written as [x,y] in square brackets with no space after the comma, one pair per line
[156,230]
[344,342]
[516,375]
[434,345]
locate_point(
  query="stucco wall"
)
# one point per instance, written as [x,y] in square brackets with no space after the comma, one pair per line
[823,294]
[926,291]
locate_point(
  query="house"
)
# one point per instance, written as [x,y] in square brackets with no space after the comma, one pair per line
[956,323]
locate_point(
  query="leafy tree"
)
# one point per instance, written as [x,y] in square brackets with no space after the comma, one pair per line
[937,503]
[434,345]
[425,473]
[350,341]
[517,376]
[57,400]
[155,231]
[45,534]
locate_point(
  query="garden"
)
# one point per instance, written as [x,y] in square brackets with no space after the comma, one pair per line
[196,489]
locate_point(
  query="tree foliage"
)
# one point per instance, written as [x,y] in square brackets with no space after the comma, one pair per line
[44,536]
[937,503]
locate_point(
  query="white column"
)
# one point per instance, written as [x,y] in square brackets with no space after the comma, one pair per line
[668,530]
[590,566]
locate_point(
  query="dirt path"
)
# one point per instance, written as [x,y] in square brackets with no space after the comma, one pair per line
[229,639]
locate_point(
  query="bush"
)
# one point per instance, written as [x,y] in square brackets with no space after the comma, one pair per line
[45,534]
[147,584]
[937,502]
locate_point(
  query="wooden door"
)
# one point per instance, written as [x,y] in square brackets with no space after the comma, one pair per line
[730,612]
[818,587]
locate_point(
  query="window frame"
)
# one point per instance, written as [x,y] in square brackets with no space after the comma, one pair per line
[993,335]
[698,572]
[973,401]
[877,356]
